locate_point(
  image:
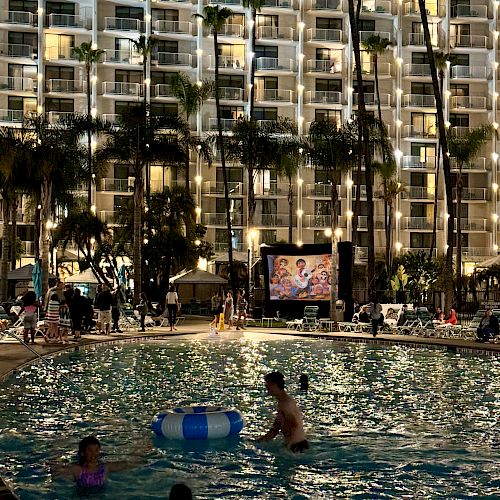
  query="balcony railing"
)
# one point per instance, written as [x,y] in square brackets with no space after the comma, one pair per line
[122,57]
[116,185]
[468,252]
[368,68]
[472,41]
[11,115]
[472,194]
[231,93]
[220,246]
[323,97]
[174,59]
[274,64]
[66,21]
[57,116]
[317,221]
[467,224]
[419,101]
[323,35]
[281,4]
[364,35]
[281,95]
[417,70]
[227,124]
[213,187]
[270,189]
[17,17]
[334,5]
[371,99]
[176,27]
[60,53]
[377,6]
[478,72]
[468,102]
[412,8]
[420,132]
[163,90]
[419,193]
[122,24]
[416,162]
[232,30]
[466,10]
[107,216]
[112,118]
[220,219]
[422,223]
[273,33]
[122,88]
[17,83]
[66,86]
[17,50]
[479,163]
[225,62]
[323,66]
[272,220]
[419,250]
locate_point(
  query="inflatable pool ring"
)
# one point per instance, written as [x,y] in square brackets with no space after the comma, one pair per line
[197,422]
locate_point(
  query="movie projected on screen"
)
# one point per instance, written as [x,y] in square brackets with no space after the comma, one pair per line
[299,277]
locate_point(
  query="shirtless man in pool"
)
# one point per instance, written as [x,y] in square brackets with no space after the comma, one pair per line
[289,417]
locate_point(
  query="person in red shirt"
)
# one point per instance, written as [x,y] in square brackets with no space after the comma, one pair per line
[452,317]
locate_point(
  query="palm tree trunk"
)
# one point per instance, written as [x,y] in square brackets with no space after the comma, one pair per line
[144,73]
[357,201]
[389,236]
[253,63]
[387,224]
[89,137]
[137,230]
[15,204]
[446,160]
[4,261]
[46,197]
[224,171]
[290,211]
[459,239]
[377,90]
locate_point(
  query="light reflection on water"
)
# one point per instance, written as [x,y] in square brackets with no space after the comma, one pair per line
[392,423]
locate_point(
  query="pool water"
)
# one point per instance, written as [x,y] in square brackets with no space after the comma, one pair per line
[382,422]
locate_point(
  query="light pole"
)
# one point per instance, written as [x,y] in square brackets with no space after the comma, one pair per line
[253,235]
[335,236]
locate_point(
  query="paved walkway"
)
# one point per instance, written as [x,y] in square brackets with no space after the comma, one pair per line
[14,355]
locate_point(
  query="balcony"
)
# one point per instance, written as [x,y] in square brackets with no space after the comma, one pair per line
[217,188]
[17,17]
[323,97]
[60,54]
[319,190]
[122,88]
[66,21]
[472,194]
[415,162]
[66,86]
[426,250]
[115,185]
[317,221]
[323,35]
[231,94]
[420,223]
[227,124]
[123,24]
[323,66]
[364,35]
[231,31]
[418,193]
[173,27]
[328,5]
[174,59]
[468,102]
[418,101]
[466,10]
[220,219]
[376,6]
[11,115]
[220,246]
[163,90]
[420,132]
[122,57]
[417,70]
[411,9]
[17,83]
[279,4]
[107,216]
[275,95]
[228,62]
[371,99]
[479,164]
[112,118]
[272,220]
[469,72]
[472,225]
[270,189]
[378,222]
[17,50]
[368,68]
[272,33]
[275,64]
[469,41]
[471,252]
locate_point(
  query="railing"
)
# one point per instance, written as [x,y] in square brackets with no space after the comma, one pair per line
[233,62]
[412,8]
[368,68]
[59,53]
[11,115]
[468,102]
[414,131]
[213,187]
[122,57]
[317,221]
[416,162]
[17,83]
[112,118]
[231,93]
[117,185]
[66,21]
[473,41]
[420,249]
[107,216]
[65,86]
[419,193]
[417,70]
[163,90]
[364,35]
[323,97]
[272,220]
[220,219]
[335,5]
[378,222]
[323,66]
[174,59]
[122,24]
[465,10]
[17,50]
[17,17]
[232,30]
[476,251]
[273,63]
[423,223]
[178,27]
[57,116]
[271,189]
[273,33]
[323,35]
[282,95]
[472,194]
[377,6]
[479,163]
[418,39]
[220,246]
[227,124]
[362,189]
[371,99]
[419,101]
[122,88]
[467,224]
[460,131]
[478,72]
[282,4]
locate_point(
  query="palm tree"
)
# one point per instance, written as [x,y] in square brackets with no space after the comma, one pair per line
[464,147]
[86,54]
[255,6]
[375,45]
[444,150]
[441,60]
[214,19]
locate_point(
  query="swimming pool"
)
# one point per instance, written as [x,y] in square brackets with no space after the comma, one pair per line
[383,422]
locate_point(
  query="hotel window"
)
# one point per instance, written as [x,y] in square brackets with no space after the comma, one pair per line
[459,120]
[123,106]
[268,236]
[164,108]
[333,115]
[23,5]
[60,8]
[232,112]
[161,77]
[128,76]
[230,81]
[422,88]
[24,104]
[271,21]
[233,175]
[266,113]
[459,89]
[459,59]
[328,85]
[164,15]
[129,13]
[59,46]
[327,23]
[424,124]
[236,207]
[420,240]
[59,105]
[266,51]
[320,237]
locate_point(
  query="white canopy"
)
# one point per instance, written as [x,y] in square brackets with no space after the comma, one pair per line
[86,276]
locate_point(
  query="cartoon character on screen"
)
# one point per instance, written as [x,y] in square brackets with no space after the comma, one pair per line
[281,267]
[302,278]
[324,280]
[289,291]
[276,288]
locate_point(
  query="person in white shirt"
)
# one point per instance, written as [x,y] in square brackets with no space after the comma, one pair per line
[172,304]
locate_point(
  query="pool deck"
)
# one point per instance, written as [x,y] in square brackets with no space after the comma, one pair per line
[13,355]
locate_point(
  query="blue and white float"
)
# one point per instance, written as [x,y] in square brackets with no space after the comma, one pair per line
[197,422]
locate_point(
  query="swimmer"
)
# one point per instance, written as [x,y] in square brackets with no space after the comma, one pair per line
[289,418]
[180,491]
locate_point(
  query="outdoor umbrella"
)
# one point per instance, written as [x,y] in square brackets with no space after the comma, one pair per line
[36,276]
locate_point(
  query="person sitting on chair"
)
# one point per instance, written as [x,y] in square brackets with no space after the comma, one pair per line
[488,328]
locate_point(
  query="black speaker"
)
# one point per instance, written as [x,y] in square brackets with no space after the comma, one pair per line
[344,249]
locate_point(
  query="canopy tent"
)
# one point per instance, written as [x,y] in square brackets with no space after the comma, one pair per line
[21,280]
[197,285]
[86,277]
[494,261]
[197,276]
[24,273]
